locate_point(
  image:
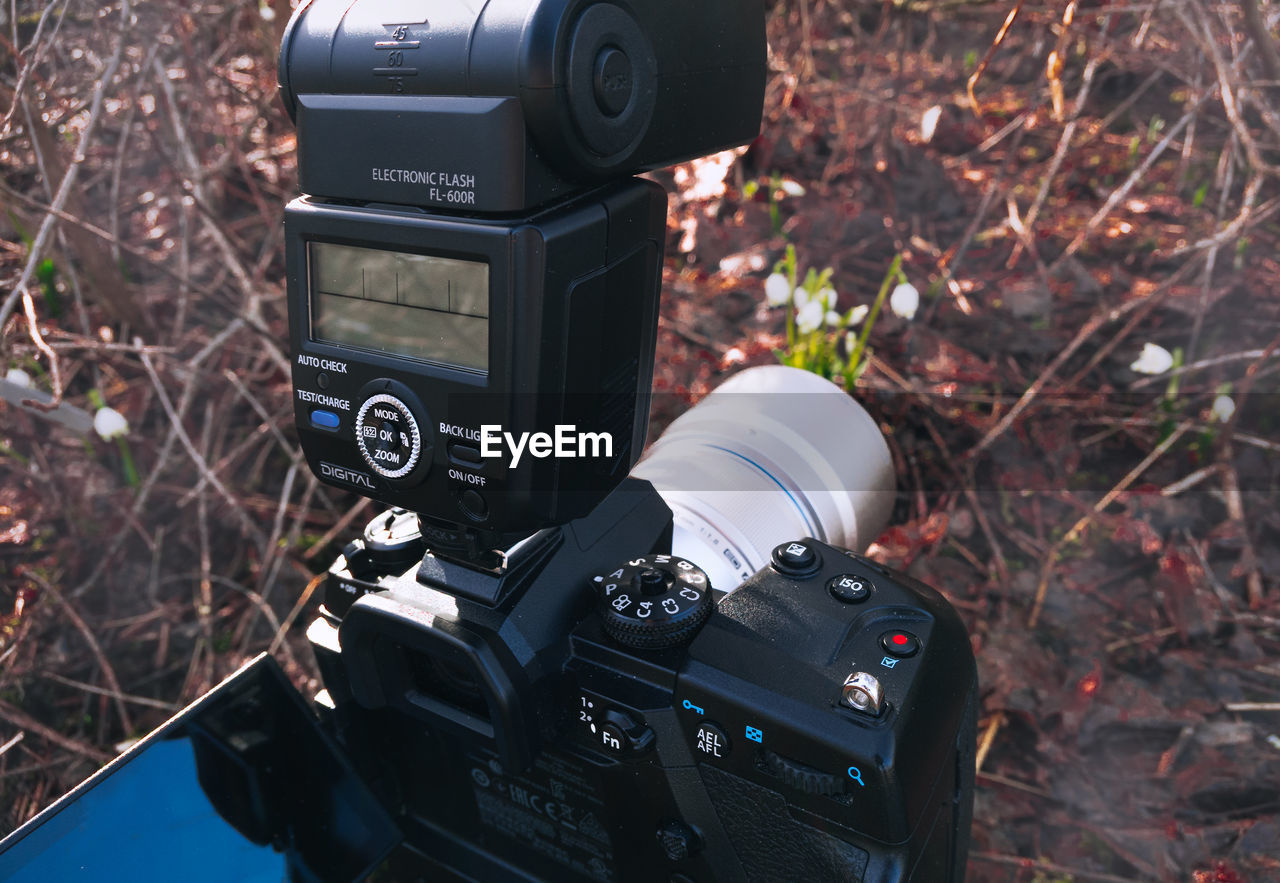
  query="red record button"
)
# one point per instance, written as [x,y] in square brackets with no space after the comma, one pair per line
[899,643]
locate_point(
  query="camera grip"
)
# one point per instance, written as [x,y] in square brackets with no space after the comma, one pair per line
[770,844]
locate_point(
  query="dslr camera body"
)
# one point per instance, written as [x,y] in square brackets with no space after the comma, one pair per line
[522,656]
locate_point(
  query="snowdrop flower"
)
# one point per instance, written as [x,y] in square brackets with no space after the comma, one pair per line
[1223,408]
[828,296]
[856,315]
[833,317]
[110,423]
[18,377]
[809,317]
[801,298]
[792,188]
[777,290]
[1155,359]
[905,300]
[929,122]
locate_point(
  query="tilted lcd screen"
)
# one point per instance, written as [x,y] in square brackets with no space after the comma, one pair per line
[413,305]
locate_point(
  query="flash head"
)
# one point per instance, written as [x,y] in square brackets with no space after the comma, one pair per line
[504,105]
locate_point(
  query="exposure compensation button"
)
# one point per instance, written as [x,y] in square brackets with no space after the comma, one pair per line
[388,436]
[796,559]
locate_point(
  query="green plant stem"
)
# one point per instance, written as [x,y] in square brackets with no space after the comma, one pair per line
[775,215]
[130,471]
[895,272]
[791,304]
[6,451]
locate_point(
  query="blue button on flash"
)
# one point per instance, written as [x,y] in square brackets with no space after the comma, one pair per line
[324,419]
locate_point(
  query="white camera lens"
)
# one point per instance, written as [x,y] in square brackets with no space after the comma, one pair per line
[773,454]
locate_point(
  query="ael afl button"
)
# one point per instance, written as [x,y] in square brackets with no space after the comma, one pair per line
[899,643]
[711,741]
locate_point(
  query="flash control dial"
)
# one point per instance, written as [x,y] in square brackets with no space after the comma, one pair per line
[388,436]
[654,602]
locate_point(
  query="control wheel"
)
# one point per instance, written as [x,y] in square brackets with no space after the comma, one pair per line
[801,776]
[393,433]
[388,436]
[654,602]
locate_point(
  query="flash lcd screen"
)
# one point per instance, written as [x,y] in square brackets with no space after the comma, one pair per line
[414,305]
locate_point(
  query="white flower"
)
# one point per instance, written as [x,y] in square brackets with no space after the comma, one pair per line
[18,377]
[1155,359]
[777,290]
[1223,408]
[929,122]
[828,296]
[792,188]
[801,298]
[267,13]
[109,423]
[905,300]
[856,315]
[850,341]
[833,318]
[809,317]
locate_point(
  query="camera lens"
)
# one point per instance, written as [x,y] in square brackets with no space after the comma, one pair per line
[774,454]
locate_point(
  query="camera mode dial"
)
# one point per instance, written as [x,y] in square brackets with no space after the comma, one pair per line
[388,436]
[654,602]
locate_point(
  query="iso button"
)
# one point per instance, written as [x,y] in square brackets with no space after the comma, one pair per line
[388,436]
[850,588]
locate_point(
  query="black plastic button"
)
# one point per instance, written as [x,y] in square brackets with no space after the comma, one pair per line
[474,505]
[466,453]
[678,840]
[712,742]
[322,380]
[620,733]
[899,643]
[849,588]
[796,558]
[613,739]
[612,81]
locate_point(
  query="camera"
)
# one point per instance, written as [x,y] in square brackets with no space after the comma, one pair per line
[549,659]
[549,662]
